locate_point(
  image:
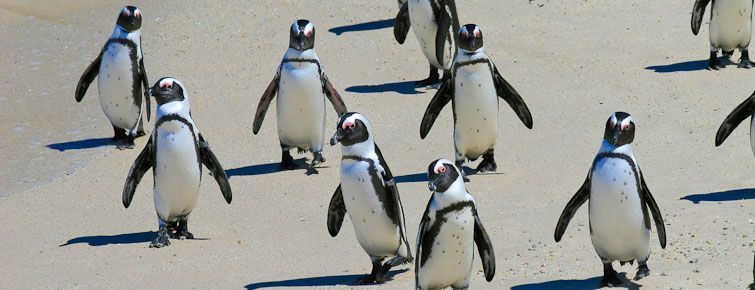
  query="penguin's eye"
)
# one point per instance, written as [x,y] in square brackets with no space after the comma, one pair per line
[352,125]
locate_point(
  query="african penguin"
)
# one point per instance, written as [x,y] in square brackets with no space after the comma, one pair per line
[435,23]
[449,229]
[619,202]
[122,81]
[739,114]
[301,86]
[730,28]
[369,194]
[474,86]
[175,151]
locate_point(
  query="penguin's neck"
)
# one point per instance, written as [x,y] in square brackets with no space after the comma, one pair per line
[365,149]
[120,33]
[606,147]
[175,107]
[298,54]
[455,193]
[466,55]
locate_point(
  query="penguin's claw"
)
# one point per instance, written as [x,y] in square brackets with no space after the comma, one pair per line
[745,63]
[642,272]
[487,166]
[183,235]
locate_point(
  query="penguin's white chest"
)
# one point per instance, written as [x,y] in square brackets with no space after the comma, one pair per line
[115,84]
[452,253]
[476,107]
[301,106]
[177,172]
[425,27]
[731,24]
[374,229]
[616,217]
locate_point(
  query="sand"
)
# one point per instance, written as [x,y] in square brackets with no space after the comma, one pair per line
[63,225]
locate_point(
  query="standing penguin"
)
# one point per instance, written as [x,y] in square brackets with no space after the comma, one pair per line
[300,84]
[122,81]
[730,28]
[739,114]
[449,229]
[435,23]
[619,202]
[176,151]
[370,195]
[474,86]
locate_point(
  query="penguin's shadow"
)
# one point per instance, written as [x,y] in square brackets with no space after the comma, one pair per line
[81,144]
[325,281]
[262,169]
[694,65]
[404,88]
[592,283]
[121,239]
[729,195]
[372,25]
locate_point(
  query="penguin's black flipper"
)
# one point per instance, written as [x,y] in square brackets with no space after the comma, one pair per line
[86,79]
[211,162]
[582,195]
[336,212]
[512,97]
[424,228]
[402,24]
[143,162]
[392,189]
[332,95]
[267,98]
[441,98]
[446,19]
[484,247]
[648,199]
[739,114]
[697,15]
[145,83]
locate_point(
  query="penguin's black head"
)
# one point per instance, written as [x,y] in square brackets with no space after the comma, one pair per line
[130,18]
[619,129]
[470,37]
[167,90]
[302,35]
[441,174]
[352,128]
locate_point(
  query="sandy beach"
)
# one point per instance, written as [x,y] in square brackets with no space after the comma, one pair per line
[64,227]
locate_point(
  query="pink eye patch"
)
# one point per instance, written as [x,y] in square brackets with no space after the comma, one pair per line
[439,168]
[166,84]
[349,125]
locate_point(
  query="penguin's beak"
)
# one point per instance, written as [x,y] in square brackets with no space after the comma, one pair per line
[336,137]
[431,185]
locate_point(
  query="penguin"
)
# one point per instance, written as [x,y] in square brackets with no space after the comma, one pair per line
[730,28]
[474,86]
[121,79]
[300,84]
[619,201]
[449,229]
[739,114]
[435,23]
[176,151]
[368,192]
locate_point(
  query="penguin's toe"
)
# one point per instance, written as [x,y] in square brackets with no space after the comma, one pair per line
[486,166]
[745,64]
[642,272]
[184,235]
[610,281]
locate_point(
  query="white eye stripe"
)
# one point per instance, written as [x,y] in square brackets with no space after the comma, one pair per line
[613,119]
[626,121]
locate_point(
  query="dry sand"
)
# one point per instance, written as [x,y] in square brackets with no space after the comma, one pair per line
[575,62]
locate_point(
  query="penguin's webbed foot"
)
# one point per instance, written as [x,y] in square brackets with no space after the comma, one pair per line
[184,234]
[610,277]
[162,239]
[744,63]
[642,272]
[311,170]
[369,279]
[487,165]
[287,161]
[431,80]
[317,159]
[714,63]
[140,133]
[125,144]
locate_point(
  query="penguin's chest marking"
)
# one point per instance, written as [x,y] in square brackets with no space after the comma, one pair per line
[300,104]
[452,250]
[366,205]
[177,172]
[616,216]
[116,81]
[731,24]
[476,109]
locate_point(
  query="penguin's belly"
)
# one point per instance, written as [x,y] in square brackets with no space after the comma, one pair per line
[177,172]
[301,106]
[618,230]
[375,231]
[452,254]
[476,107]
[731,24]
[115,85]
[425,27]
